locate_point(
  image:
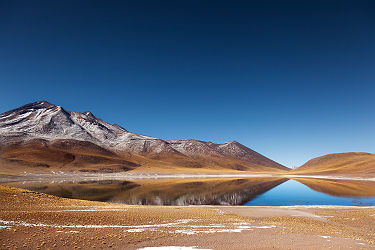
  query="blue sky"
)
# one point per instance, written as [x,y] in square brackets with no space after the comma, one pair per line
[292,80]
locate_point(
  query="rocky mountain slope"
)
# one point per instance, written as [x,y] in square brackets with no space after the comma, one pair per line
[344,164]
[41,135]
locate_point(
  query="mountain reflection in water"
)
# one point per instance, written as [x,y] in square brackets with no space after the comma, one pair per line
[213,191]
[178,192]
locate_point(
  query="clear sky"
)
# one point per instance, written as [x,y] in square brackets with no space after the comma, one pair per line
[292,80]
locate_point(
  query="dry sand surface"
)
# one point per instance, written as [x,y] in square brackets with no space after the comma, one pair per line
[34,220]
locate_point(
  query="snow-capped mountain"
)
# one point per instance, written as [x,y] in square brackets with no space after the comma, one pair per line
[51,123]
[45,120]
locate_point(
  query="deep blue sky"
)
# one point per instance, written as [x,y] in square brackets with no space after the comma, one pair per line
[290,79]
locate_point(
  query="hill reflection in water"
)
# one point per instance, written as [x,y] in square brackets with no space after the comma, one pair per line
[318,192]
[347,188]
[214,191]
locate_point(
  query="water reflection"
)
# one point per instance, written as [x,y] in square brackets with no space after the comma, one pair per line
[347,188]
[179,192]
[228,191]
[293,192]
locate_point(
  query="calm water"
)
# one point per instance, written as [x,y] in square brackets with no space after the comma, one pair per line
[240,191]
[294,193]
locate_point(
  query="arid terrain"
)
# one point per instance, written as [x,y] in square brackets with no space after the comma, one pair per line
[101,162]
[33,220]
[43,137]
[187,125]
[343,164]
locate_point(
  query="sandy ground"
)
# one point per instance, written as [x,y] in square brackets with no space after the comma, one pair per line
[33,220]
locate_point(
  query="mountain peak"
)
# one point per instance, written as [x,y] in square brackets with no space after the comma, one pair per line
[38,105]
[30,107]
[46,120]
[43,120]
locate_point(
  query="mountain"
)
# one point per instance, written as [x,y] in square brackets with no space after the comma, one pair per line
[342,164]
[45,136]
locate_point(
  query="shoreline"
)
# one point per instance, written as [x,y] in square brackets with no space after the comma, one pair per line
[351,178]
[73,176]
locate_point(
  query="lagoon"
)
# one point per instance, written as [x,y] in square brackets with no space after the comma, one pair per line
[263,191]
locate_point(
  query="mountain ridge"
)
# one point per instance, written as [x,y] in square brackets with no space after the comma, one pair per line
[45,121]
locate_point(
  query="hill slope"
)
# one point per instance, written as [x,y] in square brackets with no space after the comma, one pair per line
[43,136]
[342,164]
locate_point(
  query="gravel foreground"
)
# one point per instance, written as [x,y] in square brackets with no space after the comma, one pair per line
[32,220]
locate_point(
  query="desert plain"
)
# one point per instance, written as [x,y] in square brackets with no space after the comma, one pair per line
[33,220]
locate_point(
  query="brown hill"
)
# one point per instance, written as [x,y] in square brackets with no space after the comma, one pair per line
[342,164]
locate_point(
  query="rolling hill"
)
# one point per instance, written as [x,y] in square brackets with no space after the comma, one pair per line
[341,164]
